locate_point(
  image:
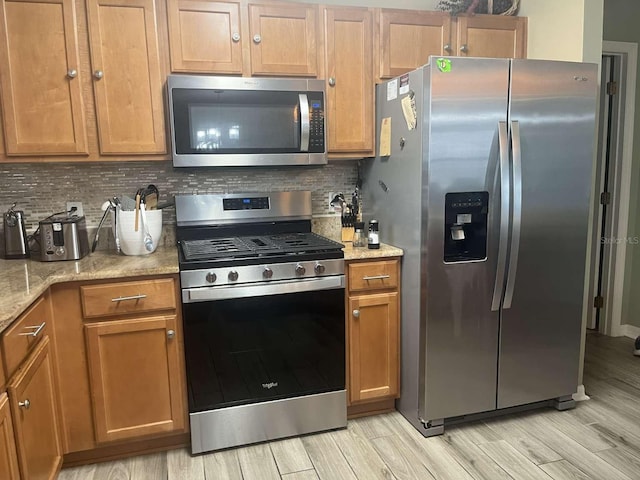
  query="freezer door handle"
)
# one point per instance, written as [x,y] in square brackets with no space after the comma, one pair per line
[517,212]
[503,138]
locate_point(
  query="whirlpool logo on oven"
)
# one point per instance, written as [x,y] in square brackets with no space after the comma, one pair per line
[269,385]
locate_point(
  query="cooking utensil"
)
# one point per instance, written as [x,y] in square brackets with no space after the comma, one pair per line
[147,240]
[106,206]
[116,236]
[138,199]
[150,197]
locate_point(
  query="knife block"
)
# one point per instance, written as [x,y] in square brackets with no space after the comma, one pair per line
[347,234]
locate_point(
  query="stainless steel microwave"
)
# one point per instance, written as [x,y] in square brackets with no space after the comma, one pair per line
[237,121]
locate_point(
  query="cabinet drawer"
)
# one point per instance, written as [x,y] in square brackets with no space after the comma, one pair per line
[373,275]
[128,297]
[20,338]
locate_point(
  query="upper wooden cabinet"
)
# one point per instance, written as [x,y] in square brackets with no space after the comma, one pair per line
[42,105]
[407,38]
[350,86]
[205,36]
[495,36]
[215,37]
[283,40]
[127,78]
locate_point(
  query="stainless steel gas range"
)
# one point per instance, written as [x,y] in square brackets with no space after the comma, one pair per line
[263,311]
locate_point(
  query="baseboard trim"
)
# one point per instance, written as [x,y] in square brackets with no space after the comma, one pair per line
[129,449]
[630,331]
[371,408]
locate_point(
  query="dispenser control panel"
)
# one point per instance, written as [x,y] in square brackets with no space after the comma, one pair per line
[465,230]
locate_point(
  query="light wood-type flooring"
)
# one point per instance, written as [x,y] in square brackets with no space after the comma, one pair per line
[598,440]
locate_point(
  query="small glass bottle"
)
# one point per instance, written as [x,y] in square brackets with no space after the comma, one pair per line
[359,238]
[374,237]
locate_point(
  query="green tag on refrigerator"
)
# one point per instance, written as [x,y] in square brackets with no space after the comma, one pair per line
[444,65]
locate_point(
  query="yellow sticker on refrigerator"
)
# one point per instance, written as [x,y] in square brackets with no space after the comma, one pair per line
[385,137]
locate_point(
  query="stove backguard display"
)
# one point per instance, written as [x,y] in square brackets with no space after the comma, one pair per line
[250,350]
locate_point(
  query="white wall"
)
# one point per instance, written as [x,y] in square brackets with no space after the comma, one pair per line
[569,30]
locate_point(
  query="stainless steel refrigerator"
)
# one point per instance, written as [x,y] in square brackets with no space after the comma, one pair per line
[486,186]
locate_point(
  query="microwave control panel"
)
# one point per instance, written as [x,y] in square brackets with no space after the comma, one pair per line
[316,122]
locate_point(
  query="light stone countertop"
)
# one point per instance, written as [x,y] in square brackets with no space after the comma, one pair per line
[364,253]
[23,281]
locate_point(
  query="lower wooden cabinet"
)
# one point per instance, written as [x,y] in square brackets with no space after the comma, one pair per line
[373,332]
[33,403]
[135,377]
[8,455]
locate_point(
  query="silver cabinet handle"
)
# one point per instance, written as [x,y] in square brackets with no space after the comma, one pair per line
[171,334]
[376,277]
[257,38]
[132,297]
[36,331]
[98,74]
[26,404]
[356,313]
[447,48]
[235,37]
[332,81]
[72,73]
[464,48]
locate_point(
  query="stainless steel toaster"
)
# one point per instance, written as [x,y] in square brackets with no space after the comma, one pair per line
[63,238]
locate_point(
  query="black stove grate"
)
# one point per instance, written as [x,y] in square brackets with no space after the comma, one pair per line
[256,246]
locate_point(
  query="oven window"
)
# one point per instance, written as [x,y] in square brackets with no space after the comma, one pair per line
[227,121]
[250,350]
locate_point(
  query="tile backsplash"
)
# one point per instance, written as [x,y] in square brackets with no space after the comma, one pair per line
[43,189]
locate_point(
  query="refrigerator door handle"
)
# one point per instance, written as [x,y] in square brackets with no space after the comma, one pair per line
[503,138]
[517,212]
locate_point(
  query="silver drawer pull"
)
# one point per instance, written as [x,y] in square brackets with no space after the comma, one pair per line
[132,297]
[376,277]
[26,404]
[36,331]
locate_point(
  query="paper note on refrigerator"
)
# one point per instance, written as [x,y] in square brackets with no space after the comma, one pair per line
[409,111]
[385,137]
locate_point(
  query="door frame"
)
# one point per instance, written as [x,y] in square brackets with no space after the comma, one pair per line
[620,179]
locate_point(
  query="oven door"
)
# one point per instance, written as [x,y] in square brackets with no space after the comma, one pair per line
[272,341]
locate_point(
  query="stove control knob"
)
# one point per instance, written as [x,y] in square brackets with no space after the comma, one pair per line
[211,277]
[267,272]
[233,275]
[300,270]
[319,268]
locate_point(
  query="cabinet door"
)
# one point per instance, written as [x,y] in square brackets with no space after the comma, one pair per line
[204,36]
[408,37]
[136,384]
[31,394]
[350,87]
[41,96]
[126,76]
[283,40]
[8,455]
[373,347]
[495,36]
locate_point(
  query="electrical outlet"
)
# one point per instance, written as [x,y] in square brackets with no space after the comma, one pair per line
[79,210]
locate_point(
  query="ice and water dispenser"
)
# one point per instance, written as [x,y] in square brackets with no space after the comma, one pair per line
[465,229]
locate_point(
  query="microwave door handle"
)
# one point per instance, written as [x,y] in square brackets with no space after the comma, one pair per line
[304,122]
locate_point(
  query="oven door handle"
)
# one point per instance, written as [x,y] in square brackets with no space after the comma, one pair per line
[206,294]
